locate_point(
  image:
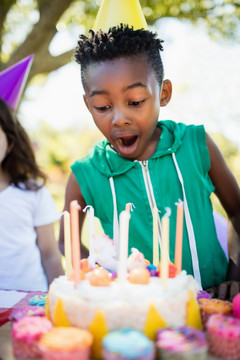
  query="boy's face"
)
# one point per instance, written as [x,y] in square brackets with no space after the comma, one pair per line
[124,97]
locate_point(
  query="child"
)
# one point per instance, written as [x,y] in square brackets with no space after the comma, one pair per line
[146,162]
[29,256]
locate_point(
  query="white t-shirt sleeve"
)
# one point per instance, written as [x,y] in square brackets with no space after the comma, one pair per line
[46,211]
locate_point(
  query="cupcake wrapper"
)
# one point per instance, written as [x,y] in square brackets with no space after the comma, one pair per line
[226,348]
[107,355]
[23,350]
[200,354]
[49,354]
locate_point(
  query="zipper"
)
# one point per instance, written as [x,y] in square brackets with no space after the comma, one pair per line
[150,194]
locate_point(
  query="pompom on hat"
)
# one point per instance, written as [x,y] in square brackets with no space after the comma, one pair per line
[13,80]
[115,12]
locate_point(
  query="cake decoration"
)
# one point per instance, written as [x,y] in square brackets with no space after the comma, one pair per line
[59,316]
[153,323]
[193,313]
[98,329]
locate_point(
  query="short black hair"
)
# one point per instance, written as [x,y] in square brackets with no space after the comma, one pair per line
[119,41]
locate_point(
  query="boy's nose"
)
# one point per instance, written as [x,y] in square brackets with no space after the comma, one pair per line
[120,118]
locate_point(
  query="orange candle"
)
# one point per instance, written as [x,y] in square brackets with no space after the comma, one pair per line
[179,237]
[76,255]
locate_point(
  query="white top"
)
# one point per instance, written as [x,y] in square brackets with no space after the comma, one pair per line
[20,261]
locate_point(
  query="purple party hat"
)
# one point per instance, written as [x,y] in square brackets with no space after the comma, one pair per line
[13,80]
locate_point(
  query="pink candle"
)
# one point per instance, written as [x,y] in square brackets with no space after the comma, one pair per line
[179,237]
[76,255]
[164,251]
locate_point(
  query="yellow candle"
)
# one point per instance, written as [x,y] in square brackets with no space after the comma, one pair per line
[155,237]
[123,245]
[179,237]
[76,255]
[67,243]
[165,251]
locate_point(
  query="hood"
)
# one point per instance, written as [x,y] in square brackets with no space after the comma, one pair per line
[109,163]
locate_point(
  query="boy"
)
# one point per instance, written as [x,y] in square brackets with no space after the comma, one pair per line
[146,162]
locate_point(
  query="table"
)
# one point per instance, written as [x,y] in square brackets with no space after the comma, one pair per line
[6,351]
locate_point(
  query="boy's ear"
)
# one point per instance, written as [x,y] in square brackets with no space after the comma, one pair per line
[166,92]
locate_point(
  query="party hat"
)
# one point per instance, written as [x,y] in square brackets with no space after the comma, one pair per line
[116,12]
[13,80]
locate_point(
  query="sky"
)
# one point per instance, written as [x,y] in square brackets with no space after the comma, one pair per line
[205,75]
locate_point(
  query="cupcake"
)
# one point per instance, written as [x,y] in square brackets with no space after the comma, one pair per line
[38,300]
[127,344]
[236,306]
[182,343]
[66,343]
[19,313]
[223,334]
[213,306]
[26,333]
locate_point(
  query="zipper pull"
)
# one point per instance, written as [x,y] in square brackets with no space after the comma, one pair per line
[145,164]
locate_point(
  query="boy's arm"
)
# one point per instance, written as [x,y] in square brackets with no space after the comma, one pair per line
[228,192]
[73,192]
[50,254]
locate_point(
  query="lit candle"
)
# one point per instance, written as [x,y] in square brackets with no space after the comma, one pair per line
[76,255]
[179,237]
[155,236]
[123,245]
[91,235]
[165,250]
[67,242]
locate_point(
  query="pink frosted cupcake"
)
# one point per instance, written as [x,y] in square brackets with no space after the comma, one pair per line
[224,336]
[19,313]
[66,343]
[181,343]
[26,333]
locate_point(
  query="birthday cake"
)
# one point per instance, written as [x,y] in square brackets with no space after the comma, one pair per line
[120,305]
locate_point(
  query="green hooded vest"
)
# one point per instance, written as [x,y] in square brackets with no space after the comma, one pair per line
[188,144]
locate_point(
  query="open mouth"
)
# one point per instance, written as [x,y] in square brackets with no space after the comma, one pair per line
[127,140]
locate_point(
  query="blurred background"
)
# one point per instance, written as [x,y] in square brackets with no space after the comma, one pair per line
[201,57]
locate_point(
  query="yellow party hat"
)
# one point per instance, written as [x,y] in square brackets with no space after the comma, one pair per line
[115,12]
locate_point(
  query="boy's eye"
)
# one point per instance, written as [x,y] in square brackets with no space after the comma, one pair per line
[136,103]
[102,108]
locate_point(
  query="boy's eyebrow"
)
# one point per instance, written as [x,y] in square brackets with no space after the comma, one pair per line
[104,92]
[98,92]
[139,83]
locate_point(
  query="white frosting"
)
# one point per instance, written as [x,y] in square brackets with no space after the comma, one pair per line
[123,305]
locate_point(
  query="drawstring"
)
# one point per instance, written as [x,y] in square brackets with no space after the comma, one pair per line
[191,236]
[115,217]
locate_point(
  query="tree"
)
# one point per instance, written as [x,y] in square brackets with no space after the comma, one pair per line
[38,21]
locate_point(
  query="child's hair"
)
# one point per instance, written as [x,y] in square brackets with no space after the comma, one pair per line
[118,42]
[20,163]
